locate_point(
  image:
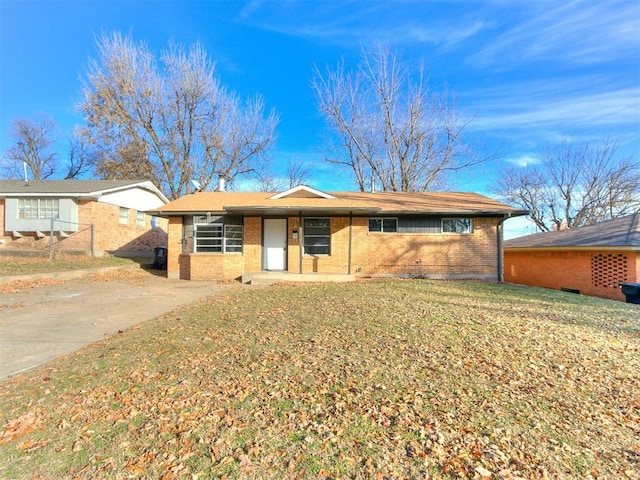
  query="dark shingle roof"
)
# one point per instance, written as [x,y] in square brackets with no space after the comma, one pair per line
[619,232]
[62,187]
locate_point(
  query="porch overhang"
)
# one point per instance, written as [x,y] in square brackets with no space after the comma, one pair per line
[287,211]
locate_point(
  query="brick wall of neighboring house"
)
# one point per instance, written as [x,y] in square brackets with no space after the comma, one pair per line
[109,236]
[126,239]
[3,237]
[595,273]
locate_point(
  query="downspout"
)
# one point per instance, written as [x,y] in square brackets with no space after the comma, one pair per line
[499,232]
[350,235]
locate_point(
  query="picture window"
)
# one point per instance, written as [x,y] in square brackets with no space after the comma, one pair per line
[383,225]
[317,236]
[457,225]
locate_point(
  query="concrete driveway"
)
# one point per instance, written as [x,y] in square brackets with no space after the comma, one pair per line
[40,322]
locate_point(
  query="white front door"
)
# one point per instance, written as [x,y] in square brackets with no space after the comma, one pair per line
[274,249]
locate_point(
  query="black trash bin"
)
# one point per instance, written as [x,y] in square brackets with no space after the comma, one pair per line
[631,292]
[160,258]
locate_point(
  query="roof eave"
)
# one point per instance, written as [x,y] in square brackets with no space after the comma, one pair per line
[300,209]
[573,248]
[81,196]
[470,213]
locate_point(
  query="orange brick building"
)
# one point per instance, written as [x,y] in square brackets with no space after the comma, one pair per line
[591,260]
[224,235]
[81,216]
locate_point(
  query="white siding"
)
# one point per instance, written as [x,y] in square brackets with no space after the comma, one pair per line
[134,198]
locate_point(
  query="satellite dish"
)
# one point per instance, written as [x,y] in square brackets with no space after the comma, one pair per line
[196,185]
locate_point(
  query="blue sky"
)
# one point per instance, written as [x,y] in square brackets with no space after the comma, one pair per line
[526,74]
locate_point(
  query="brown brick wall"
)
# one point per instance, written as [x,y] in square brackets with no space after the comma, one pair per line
[175,268]
[252,247]
[3,234]
[109,235]
[595,273]
[211,266]
[214,266]
[438,255]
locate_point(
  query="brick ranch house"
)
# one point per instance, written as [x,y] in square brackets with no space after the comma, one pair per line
[110,211]
[225,235]
[591,260]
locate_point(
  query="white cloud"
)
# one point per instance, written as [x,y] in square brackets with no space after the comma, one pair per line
[518,226]
[580,32]
[524,161]
[522,107]
[355,23]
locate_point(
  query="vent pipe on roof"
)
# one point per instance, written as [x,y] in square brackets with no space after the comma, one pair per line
[222,183]
[373,185]
[24,168]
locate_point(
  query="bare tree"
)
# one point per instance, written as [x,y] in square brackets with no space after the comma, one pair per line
[33,140]
[574,185]
[391,128]
[81,158]
[172,114]
[297,174]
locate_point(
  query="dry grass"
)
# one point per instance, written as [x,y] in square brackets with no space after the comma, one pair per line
[14,265]
[393,379]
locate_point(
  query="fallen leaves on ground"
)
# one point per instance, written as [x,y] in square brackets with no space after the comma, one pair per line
[131,275]
[17,286]
[395,379]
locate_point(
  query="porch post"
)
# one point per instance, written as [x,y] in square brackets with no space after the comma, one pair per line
[300,242]
[350,235]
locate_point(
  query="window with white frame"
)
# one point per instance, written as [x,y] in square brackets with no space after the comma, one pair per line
[38,208]
[216,237]
[123,216]
[380,224]
[317,236]
[457,225]
[140,219]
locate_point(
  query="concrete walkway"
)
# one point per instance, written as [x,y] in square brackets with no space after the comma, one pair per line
[38,324]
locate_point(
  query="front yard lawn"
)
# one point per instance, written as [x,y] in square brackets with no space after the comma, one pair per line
[15,265]
[388,379]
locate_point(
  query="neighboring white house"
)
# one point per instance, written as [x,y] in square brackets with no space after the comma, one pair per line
[106,216]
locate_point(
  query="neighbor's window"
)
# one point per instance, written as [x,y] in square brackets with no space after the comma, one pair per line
[123,217]
[383,225]
[49,208]
[217,238]
[140,219]
[34,208]
[456,225]
[317,236]
[27,208]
